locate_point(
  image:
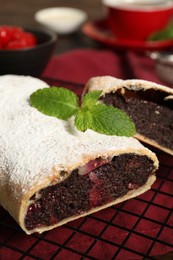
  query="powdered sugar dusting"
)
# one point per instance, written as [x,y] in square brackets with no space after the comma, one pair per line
[32,144]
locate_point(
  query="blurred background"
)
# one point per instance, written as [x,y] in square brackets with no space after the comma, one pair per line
[21,12]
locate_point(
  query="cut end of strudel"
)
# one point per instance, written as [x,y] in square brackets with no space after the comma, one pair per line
[50,173]
[150,105]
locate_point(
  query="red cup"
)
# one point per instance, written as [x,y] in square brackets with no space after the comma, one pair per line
[130,21]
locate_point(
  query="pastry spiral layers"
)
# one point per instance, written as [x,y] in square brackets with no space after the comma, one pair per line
[51,173]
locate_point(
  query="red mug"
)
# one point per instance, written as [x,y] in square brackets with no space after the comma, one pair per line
[136,20]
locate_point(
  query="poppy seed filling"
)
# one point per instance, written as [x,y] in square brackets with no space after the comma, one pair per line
[151,113]
[78,193]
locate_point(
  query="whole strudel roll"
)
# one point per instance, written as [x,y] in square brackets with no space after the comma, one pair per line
[51,173]
[150,105]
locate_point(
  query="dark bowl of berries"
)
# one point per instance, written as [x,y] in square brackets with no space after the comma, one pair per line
[25,51]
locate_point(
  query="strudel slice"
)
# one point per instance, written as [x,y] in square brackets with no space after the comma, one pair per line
[50,173]
[150,105]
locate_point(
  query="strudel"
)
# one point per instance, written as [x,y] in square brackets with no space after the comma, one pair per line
[150,105]
[51,173]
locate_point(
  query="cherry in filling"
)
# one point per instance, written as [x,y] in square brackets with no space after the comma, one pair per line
[153,119]
[80,193]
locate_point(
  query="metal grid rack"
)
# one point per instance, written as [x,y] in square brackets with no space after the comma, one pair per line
[140,228]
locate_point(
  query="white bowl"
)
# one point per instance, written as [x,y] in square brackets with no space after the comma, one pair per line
[62,20]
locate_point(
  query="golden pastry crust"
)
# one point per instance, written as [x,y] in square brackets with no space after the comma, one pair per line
[111,84]
[35,149]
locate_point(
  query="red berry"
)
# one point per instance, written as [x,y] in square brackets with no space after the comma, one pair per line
[16,32]
[5,34]
[14,37]
[28,39]
[16,44]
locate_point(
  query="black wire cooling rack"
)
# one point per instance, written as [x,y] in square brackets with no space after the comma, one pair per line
[141,228]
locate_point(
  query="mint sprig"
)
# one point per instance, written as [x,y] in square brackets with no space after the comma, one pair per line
[164,34]
[91,114]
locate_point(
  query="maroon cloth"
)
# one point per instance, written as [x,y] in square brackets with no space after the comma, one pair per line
[126,233]
[80,65]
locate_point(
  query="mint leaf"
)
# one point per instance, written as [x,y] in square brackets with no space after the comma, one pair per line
[63,103]
[110,121]
[83,120]
[58,102]
[90,99]
[164,34]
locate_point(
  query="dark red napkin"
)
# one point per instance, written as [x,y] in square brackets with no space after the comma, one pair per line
[80,65]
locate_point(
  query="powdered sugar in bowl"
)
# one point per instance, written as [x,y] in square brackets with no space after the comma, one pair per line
[62,20]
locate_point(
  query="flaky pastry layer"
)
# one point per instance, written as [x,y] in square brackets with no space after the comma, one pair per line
[35,148]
